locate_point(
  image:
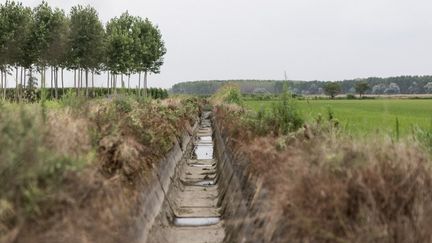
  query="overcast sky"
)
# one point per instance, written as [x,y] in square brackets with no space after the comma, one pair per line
[260,39]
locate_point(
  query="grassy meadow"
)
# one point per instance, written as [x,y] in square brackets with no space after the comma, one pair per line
[364,117]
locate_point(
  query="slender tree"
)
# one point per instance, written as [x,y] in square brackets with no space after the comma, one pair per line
[153,50]
[86,41]
[41,38]
[57,48]
[14,29]
[46,39]
[121,46]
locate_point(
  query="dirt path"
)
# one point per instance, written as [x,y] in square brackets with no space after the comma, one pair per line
[195,216]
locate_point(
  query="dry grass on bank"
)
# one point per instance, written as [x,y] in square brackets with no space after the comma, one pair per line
[74,173]
[317,185]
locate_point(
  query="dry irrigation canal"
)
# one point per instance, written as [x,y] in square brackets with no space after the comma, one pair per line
[193,203]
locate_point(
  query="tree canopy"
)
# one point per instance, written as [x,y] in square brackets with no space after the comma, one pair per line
[332,89]
[43,37]
[361,88]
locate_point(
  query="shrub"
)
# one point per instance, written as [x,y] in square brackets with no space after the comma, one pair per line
[229,94]
[281,119]
[351,97]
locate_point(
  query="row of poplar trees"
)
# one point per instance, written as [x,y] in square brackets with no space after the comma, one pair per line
[46,41]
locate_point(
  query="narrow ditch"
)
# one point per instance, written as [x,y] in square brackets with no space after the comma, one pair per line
[192,211]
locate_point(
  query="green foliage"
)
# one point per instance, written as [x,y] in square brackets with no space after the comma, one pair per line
[86,38]
[45,37]
[229,94]
[31,92]
[26,163]
[122,105]
[71,100]
[361,88]
[15,20]
[406,84]
[282,118]
[350,97]
[285,116]
[332,89]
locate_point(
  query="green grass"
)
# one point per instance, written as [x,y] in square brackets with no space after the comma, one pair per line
[364,117]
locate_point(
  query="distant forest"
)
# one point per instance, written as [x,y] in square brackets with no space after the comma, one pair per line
[393,85]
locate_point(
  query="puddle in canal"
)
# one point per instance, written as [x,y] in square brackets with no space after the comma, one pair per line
[205,138]
[205,183]
[196,221]
[204,151]
[201,165]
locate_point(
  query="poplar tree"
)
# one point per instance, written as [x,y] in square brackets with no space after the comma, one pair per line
[86,41]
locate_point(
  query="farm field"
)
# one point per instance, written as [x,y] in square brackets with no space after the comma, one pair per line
[364,117]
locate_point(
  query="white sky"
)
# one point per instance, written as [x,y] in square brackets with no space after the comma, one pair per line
[260,39]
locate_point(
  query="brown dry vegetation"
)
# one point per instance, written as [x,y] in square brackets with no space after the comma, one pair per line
[75,174]
[317,185]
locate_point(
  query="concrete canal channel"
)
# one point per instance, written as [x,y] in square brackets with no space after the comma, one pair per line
[192,209]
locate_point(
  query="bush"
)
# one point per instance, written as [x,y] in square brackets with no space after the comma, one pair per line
[30,169]
[229,94]
[285,117]
[282,118]
[351,97]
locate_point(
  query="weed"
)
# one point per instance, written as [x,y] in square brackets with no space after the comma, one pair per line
[397,129]
[283,118]
[70,99]
[229,94]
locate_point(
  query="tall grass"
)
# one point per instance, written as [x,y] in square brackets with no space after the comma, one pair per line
[318,185]
[55,160]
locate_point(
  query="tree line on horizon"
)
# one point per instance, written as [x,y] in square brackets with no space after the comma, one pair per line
[45,39]
[372,85]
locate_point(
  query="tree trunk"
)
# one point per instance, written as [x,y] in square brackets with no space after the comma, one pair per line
[93,88]
[62,81]
[16,84]
[1,86]
[51,85]
[112,83]
[78,81]
[5,85]
[22,78]
[139,83]
[31,75]
[56,82]
[145,84]
[41,79]
[86,83]
[82,81]
[115,84]
[128,82]
[25,77]
[108,82]
[80,85]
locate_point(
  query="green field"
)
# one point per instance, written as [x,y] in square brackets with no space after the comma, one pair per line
[361,117]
